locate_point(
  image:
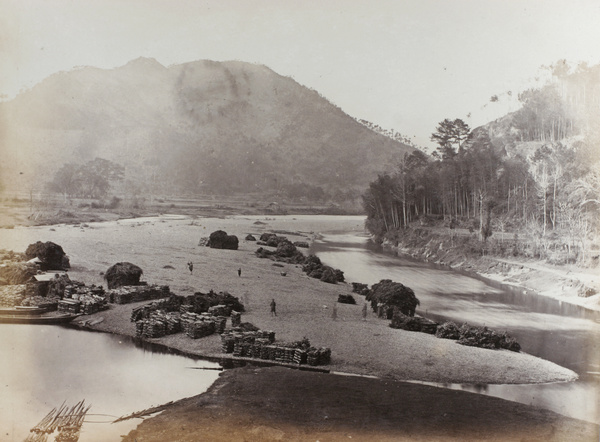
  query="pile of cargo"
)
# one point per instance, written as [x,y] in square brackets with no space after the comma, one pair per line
[136,293]
[159,323]
[198,325]
[69,306]
[79,298]
[261,345]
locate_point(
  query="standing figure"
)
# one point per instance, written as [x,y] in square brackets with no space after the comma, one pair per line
[240,271]
[191,266]
[273,308]
[334,312]
[364,312]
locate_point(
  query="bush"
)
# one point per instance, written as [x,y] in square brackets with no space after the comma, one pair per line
[221,240]
[361,289]
[123,273]
[486,338]
[393,294]
[448,330]
[52,255]
[346,299]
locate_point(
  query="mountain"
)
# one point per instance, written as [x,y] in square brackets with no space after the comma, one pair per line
[204,126]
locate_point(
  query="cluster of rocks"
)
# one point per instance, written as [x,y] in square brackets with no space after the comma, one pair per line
[221,240]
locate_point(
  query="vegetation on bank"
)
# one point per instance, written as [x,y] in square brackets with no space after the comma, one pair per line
[534,173]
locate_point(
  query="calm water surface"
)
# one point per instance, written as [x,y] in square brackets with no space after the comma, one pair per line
[562,333]
[43,366]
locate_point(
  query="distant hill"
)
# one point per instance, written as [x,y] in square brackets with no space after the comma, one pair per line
[204,126]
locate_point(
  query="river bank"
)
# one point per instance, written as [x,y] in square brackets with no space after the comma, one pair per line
[271,404]
[566,283]
[162,247]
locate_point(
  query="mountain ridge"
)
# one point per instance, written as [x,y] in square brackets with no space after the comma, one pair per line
[261,130]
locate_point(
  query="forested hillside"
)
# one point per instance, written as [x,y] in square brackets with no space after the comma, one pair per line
[201,127]
[535,172]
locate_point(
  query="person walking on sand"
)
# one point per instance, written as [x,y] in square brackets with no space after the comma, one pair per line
[240,271]
[191,266]
[273,308]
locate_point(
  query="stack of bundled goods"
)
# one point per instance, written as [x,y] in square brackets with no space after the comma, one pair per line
[300,356]
[74,288]
[236,319]
[261,345]
[219,310]
[69,306]
[144,311]
[197,325]
[318,356]
[172,321]
[128,294]
[150,328]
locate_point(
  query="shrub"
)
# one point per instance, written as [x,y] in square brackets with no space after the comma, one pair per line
[52,255]
[448,330]
[346,299]
[394,294]
[123,273]
[221,240]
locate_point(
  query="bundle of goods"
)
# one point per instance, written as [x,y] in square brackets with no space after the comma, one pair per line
[260,345]
[136,293]
[219,310]
[11,295]
[150,328]
[236,319]
[144,311]
[69,306]
[172,320]
[75,288]
[318,356]
[198,325]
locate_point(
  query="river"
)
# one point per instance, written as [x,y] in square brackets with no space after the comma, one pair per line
[42,366]
[559,332]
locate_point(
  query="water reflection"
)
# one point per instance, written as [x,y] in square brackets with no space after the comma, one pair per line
[42,366]
[566,334]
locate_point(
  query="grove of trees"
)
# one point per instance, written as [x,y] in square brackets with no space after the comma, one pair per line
[548,186]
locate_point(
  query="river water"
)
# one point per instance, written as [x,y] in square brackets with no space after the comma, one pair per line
[562,333]
[42,366]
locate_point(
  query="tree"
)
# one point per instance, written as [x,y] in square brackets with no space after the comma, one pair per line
[448,134]
[92,179]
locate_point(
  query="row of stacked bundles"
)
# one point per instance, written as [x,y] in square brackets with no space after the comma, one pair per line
[136,293]
[79,298]
[261,345]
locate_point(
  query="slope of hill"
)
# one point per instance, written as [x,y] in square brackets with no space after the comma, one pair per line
[200,126]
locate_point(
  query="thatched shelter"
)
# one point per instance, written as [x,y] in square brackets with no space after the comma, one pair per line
[221,240]
[52,255]
[123,273]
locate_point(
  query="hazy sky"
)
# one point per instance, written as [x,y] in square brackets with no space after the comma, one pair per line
[402,64]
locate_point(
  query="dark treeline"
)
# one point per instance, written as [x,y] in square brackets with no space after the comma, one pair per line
[535,171]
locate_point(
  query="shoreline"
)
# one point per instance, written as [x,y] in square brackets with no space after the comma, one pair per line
[358,347]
